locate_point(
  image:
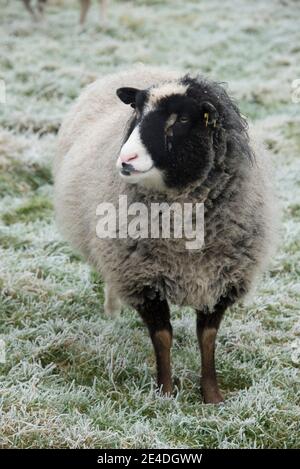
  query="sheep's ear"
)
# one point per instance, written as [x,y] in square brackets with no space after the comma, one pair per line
[210,114]
[127,95]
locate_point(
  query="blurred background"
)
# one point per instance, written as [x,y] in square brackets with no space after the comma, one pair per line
[68,376]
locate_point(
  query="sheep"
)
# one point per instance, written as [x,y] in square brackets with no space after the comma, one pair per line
[160,136]
[40,5]
[84,8]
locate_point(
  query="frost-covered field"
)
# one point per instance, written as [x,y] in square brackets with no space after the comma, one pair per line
[73,378]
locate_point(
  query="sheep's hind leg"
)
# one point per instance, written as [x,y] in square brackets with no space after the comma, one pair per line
[156,315]
[207,329]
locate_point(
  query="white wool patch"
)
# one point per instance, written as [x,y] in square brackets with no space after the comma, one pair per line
[167,89]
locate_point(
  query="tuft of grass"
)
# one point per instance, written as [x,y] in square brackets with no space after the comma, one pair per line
[294,210]
[292,133]
[12,242]
[19,178]
[36,208]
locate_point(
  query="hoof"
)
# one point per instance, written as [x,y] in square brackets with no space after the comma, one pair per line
[166,391]
[214,398]
[211,393]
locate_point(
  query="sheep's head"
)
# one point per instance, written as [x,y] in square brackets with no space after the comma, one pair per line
[175,132]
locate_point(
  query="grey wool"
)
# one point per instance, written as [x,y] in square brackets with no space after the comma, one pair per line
[184,141]
[239,207]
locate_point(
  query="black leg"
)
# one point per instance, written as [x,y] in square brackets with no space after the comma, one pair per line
[207,329]
[156,315]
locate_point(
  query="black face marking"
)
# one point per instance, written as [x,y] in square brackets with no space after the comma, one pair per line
[185,134]
[140,100]
[177,137]
[132,123]
[136,98]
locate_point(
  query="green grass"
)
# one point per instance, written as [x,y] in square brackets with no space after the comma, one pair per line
[36,208]
[20,178]
[72,377]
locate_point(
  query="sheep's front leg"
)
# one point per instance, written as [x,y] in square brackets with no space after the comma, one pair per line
[156,315]
[207,329]
[85,5]
[29,8]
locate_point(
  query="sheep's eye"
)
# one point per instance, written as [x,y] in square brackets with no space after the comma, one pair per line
[184,119]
